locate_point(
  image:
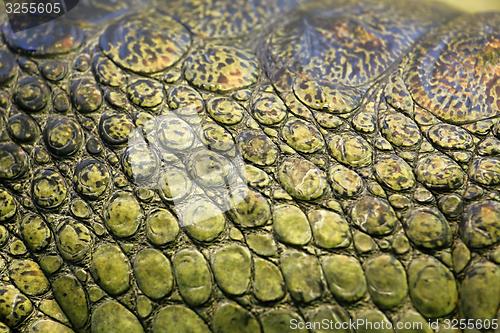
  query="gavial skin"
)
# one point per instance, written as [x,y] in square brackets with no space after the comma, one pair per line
[190,166]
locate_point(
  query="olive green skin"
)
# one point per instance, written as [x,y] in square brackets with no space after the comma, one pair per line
[230,166]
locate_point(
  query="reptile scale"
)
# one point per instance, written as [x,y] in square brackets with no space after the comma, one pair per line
[236,166]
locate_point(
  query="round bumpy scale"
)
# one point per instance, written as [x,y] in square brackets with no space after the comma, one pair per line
[8,69]
[302,179]
[48,189]
[411,317]
[232,266]
[192,276]
[172,318]
[257,148]
[302,136]
[72,299]
[63,136]
[112,316]
[110,268]
[209,168]
[479,226]
[35,232]
[262,244]
[345,277]
[230,315]
[351,150]
[74,240]
[218,68]
[4,234]
[278,321]
[427,228]
[86,95]
[255,177]
[93,146]
[153,273]
[345,182]
[22,128]
[28,277]
[302,274]
[107,72]
[439,172]
[44,40]
[115,128]
[80,209]
[249,208]
[54,70]
[91,178]
[123,214]
[364,122]
[449,136]
[330,230]
[371,317]
[333,314]
[185,101]
[8,205]
[291,225]
[49,326]
[327,120]
[217,138]
[13,161]
[138,45]
[14,306]
[395,173]
[32,94]
[400,130]
[451,205]
[326,96]
[161,227]
[386,280]
[486,171]
[432,287]
[442,79]
[374,215]
[173,133]
[268,282]
[140,162]
[225,110]
[203,220]
[61,102]
[268,109]
[476,289]
[145,92]
[174,184]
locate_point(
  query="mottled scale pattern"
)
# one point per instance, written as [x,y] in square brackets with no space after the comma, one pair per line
[226,19]
[470,92]
[328,48]
[232,166]
[138,45]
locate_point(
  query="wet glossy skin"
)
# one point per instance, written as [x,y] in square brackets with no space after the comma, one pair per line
[208,166]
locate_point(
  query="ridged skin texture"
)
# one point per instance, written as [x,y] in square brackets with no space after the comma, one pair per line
[239,166]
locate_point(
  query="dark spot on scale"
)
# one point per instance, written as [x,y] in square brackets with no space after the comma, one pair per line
[222,79]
